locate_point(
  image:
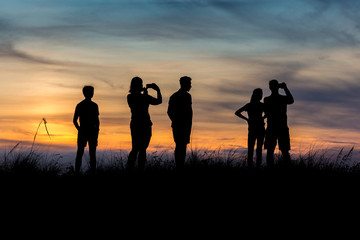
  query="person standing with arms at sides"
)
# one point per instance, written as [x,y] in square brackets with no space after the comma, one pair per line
[181,114]
[277,130]
[140,125]
[87,112]
[256,125]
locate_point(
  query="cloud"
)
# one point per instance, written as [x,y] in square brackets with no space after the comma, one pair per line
[325,116]
[345,94]
[7,50]
[8,34]
[297,23]
[311,22]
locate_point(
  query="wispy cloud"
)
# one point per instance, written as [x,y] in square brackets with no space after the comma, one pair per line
[296,23]
[7,49]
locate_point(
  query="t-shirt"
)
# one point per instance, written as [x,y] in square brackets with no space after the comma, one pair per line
[276,110]
[180,109]
[88,113]
[139,106]
[255,112]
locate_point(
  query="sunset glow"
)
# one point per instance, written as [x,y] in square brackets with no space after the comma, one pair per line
[50,49]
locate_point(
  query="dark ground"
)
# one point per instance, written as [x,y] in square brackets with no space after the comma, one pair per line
[205,200]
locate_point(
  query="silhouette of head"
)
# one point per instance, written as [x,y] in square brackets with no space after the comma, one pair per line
[256,95]
[136,85]
[274,85]
[185,83]
[88,92]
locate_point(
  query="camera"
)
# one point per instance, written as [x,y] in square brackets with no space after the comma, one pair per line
[282,85]
[150,85]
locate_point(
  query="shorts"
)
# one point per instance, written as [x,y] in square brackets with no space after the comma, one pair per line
[140,135]
[280,136]
[181,135]
[90,137]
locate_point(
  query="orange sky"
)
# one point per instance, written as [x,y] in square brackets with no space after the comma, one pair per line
[48,53]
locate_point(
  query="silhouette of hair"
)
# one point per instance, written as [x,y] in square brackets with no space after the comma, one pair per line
[185,80]
[273,84]
[256,95]
[136,85]
[88,91]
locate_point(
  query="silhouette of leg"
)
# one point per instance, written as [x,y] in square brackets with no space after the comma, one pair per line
[259,146]
[78,160]
[251,144]
[130,164]
[180,155]
[270,145]
[286,157]
[142,160]
[284,146]
[143,145]
[270,157]
[92,153]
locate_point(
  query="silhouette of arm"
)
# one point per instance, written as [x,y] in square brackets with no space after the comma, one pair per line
[129,100]
[158,99]
[266,107]
[264,111]
[75,119]
[290,98]
[170,110]
[97,120]
[239,113]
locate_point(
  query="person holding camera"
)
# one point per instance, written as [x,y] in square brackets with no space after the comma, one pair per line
[277,130]
[140,125]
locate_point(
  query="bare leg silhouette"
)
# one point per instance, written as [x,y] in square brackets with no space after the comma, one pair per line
[251,143]
[142,160]
[180,155]
[259,141]
[78,160]
[131,159]
[270,157]
[92,153]
[286,158]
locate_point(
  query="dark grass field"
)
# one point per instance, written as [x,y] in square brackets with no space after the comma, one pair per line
[210,191]
[204,174]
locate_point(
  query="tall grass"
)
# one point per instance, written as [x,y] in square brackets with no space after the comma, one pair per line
[26,162]
[327,160]
[29,163]
[43,120]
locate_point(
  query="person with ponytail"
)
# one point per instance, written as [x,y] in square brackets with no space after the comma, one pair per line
[256,125]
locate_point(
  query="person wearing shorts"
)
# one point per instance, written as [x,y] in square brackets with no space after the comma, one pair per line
[181,114]
[87,113]
[277,130]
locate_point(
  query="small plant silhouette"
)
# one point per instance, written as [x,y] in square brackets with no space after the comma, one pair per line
[45,122]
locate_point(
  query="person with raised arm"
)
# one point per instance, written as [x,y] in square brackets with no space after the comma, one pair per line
[139,101]
[277,130]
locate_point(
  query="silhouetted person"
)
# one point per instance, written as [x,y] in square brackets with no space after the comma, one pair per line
[277,130]
[140,124]
[87,112]
[256,125]
[180,113]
